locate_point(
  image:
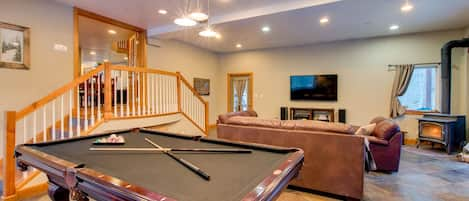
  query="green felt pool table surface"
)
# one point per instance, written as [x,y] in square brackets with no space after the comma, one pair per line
[154,175]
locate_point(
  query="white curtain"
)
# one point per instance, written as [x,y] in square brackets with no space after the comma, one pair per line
[239,87]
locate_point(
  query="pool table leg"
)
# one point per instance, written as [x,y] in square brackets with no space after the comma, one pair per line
[57,193]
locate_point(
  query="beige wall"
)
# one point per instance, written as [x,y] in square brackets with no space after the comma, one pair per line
[50,23]
[364,82]
[191,62]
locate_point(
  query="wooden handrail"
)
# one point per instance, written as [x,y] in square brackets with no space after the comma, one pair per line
[41,102]
[192,89]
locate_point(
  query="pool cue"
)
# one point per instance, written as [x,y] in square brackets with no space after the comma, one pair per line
[171,149]
[188,164]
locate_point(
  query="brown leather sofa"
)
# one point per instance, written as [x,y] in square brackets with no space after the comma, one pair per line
[334,158]
[385,144]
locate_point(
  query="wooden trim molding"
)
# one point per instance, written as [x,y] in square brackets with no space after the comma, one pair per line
[142,34]
[417,112]
[250,89]
[410,141]
[108,20]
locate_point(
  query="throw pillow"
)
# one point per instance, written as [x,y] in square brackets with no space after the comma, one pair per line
[366,130]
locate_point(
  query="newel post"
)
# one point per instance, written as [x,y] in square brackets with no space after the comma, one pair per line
[178,76]
[107,91]
[9,187]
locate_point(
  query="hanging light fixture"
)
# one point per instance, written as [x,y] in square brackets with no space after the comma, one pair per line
[198,15]
[208,31]
[185,21]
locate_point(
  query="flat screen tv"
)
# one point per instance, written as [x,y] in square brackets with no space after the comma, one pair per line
[313,87]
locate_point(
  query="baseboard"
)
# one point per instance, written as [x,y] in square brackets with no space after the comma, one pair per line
[410,141]
[211,126]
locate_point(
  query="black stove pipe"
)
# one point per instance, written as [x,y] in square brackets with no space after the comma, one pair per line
[446,72]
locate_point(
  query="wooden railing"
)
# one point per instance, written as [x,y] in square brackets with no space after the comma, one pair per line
[105,93]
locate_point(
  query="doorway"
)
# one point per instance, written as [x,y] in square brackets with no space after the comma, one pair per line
[99,39]
[240,91]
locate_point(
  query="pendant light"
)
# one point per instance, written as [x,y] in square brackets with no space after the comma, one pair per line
[198,15]
[208,32]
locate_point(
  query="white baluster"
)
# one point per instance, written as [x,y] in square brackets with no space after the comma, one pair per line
[70,114]
[86,106]
[155,94]
[92,100]
[114,93]
[150,93]
[158,94]
[121,93]
[34,126]
[127,98]
[78,111]
[133,94]
[53,119]
[44,123]
[62,134]
[144,93]
[139,96]
[166,94]
[99,98]
[25,130]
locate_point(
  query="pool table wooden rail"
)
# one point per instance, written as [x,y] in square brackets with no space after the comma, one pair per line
[66,177]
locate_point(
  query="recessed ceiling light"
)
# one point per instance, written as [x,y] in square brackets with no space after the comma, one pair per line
[110,31]
[239,45]
[266,29]
[198,16]
[126,58]
[185,22]
[394,27]
[93,53]
[324,20]
[105,60]
[407,7]
[162,11]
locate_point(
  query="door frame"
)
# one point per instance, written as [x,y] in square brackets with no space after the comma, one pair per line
[142,37]
[229,90]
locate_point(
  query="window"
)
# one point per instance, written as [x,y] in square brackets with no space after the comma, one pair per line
[423,92]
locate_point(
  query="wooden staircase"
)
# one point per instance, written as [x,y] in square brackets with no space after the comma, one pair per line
[104,94]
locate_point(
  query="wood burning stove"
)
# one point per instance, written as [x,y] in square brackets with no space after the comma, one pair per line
[448,130]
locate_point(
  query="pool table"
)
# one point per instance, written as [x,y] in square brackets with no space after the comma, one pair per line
[75,170]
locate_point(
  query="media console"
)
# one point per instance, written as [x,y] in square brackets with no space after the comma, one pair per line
[320,114]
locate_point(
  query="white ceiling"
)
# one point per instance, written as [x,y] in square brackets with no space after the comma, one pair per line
[293,22]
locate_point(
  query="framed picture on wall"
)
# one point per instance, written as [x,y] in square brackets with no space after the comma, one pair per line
[202,86]
[14,46]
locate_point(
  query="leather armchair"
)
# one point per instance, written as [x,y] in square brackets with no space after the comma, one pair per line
[385,145]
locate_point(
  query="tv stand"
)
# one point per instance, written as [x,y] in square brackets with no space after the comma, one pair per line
[319,114]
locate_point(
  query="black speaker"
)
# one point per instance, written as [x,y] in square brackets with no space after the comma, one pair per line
[284,113]
[342,116]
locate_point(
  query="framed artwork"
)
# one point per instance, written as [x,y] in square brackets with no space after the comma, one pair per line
[202,86]
[14,46]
